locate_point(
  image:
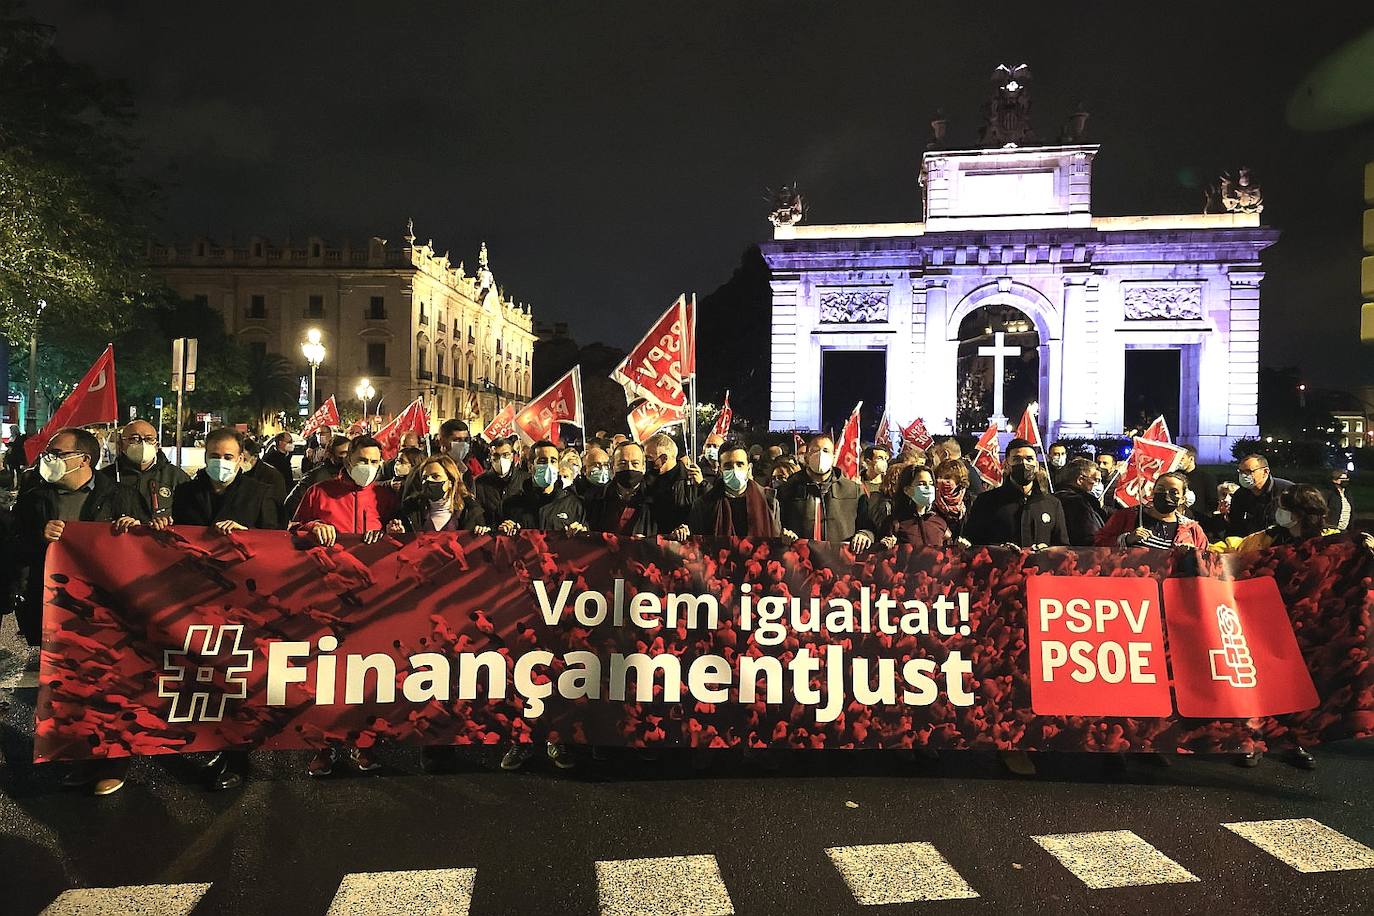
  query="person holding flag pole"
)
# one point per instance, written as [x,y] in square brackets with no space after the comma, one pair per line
[1029,430]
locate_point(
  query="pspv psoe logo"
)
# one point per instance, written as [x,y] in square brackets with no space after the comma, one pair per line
[1232,662]
[209,669]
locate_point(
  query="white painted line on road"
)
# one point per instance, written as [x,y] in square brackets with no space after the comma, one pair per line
[1306,845]
[440,891]
[899,873]
[143,899]
[669,886]
[1113,858]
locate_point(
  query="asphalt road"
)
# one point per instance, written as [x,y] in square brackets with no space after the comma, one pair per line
[823,832]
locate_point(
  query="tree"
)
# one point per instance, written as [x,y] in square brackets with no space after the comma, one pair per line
[272,386]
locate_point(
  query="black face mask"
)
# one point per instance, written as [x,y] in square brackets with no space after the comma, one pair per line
[1021,474]
[433,490]
[1165,501]
[629,480]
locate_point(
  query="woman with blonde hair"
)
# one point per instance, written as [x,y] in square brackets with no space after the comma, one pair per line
[437,499]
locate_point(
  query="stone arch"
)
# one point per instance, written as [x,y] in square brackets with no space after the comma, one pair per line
[1036,305]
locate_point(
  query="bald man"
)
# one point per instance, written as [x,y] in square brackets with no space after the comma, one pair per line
[143,467]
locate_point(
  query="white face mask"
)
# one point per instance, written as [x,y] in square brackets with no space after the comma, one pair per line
[501,466]
[735,479]
[221,470]
[1098,491]
[599,475]
[820,462]
[1058,461]
[141,453]
[363,474]
[401,470]
[1247,480]
[52,468]
[459,450]
[1283,518]
[711,452]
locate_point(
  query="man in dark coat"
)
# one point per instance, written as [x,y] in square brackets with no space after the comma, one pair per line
[542,502]
[732,504]
[816,503]
[278,455]
[1080,496]
[493,488]
[142,467]
[267,475]
[327,469]
[1201,484]
[1339,510]
[624,505]
[673,485]
[1018,513]
[1253,505]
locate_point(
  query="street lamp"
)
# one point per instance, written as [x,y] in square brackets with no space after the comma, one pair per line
[314,355]
[365,393]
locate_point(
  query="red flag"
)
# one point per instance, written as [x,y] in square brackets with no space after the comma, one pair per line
[847,452]
[916,435]
[91,401]
[884,434]
[1158,431]
[327,415]
[1027,430]
[1149,460]
[987,462]
[413,419]
[560,403]
[654,368]
[723,420]
[650,416]
[502,426]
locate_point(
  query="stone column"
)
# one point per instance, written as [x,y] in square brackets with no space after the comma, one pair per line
[1242,389]
[1078,374]
[935,396]
[786,355]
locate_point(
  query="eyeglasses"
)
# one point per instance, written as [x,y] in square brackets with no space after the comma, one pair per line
[150,440]
[57,454]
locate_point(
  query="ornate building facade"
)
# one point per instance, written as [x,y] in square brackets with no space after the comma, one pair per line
[401,316]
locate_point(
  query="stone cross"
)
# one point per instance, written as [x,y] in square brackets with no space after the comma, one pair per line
[999,351]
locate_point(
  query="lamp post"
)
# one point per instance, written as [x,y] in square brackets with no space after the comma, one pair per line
[365,393]
[314,355]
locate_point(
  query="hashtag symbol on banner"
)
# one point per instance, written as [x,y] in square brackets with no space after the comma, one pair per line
[209,669]
[1232,662]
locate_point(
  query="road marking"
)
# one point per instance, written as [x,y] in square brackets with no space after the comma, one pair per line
[668,886]
[898,873]
[1306,845]
[144,899]
[441,891]
[1113,858]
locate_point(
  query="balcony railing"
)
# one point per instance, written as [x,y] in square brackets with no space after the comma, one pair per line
[255,314]
[425,375]
[424,318]
[374,314]
[444,379]
[379,371]
[441,327]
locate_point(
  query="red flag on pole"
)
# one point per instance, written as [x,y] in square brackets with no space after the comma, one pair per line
[916,435]
[413,419]
[847,452]
[1158,431]
[560,403]
[502,426]
[1150,459]
[987,462]
[884,434]
[723,419]
[1028,430]
[92,401]
[327,415]
[650,416]
[654,368]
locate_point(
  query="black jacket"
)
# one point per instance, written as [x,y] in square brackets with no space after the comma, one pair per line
[268,476]
[154,486]
[415,515]
[492,492]
[280,463]
[1007,515]
[246,501]
[702,519]
[603,506]
[322,471]
[1204,487]
[1333,507]
[839,498]
[37,505]
[672,495]
[1251,511]
[530,507]
[1083,515]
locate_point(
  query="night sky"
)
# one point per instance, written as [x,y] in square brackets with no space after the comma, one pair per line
[613,154]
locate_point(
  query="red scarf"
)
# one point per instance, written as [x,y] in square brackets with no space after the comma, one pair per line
[760,520]
[949,499]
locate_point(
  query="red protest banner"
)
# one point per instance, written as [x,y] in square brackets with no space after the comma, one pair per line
[1028,430]
[847,450]
[502,426]
[560,403]
[414,419]
[654,368]
[987,459]
[326,415]
[648,417]
[722,425]
[916,435]
[92,401]
[1158,431]
[266,639]
[1149,460]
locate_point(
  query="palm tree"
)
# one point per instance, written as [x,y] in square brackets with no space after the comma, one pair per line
[273,385]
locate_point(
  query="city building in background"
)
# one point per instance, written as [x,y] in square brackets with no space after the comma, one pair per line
[402,317]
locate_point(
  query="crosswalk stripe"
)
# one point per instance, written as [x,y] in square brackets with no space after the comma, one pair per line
[1113,858]
[439,891]
[668,886]
[144,899]
[898,873]
[1306,845]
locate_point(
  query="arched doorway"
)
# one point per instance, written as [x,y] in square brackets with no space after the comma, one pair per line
[993,337]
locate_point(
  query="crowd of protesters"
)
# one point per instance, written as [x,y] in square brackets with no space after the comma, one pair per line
[459,482]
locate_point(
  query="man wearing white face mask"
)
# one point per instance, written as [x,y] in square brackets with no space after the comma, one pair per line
[710,455]
[455,440]
[732,504]
[542,502]
[818,504]
[143,468]
[1252,508]
[351,503]
[495,486]
[1080,493]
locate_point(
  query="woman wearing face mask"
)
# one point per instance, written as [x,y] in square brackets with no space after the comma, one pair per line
[914,520]
[1301,514]
[407,460]
[951,496]
[877,504]
[437,500]
[1162,524]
